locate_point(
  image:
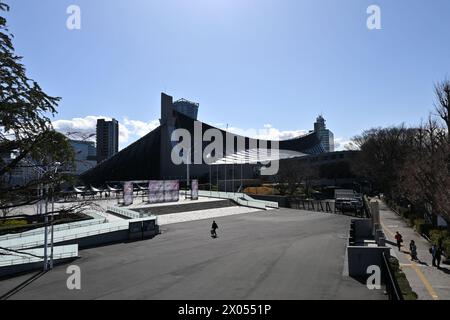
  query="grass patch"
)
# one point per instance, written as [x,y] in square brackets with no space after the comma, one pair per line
[403,283]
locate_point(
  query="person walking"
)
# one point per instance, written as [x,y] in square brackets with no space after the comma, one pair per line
[413,250]
[214,227]
[433,250]
[399,239]
[438,256]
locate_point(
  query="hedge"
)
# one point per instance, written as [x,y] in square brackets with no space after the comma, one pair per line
[422,227]
[403,283]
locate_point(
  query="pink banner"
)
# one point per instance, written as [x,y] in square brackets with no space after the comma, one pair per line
[194,189]
[128,193]
[163,191]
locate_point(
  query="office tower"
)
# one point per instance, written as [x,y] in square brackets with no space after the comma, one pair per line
[107,139]
[326,136]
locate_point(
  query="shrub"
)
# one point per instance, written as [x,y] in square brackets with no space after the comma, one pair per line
[12,223]
[422,227]
[411,220]
[435,235]
[446,247]
[403,283]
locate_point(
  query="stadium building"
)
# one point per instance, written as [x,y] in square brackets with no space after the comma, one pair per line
[150,157]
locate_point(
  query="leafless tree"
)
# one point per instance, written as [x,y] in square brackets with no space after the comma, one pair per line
[442,104]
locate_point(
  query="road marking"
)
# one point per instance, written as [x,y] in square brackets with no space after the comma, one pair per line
[427,284]
[405,264]
[419,272]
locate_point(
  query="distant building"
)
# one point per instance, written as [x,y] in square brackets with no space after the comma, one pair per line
[22,173]
[186,107]
[107,139]
[325,135]
[85,155]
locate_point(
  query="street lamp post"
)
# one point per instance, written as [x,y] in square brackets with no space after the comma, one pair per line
[242,186]
[209,165]
[232,181]
[57,164]
[188,160]
[46,231]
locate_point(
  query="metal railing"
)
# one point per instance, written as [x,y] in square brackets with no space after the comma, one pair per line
[61,252]
[65,235]
[392,287]
[125,212]
[312,205]
[57,227]
[240,198]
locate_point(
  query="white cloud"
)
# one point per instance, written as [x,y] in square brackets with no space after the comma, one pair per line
[268,132]
[131,130]
[85,128]
[78,128]
[141,128]
[341,143]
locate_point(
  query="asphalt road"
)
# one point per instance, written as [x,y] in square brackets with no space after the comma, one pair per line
[276,254]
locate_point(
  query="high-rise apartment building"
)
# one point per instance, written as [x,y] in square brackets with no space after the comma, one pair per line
[107,139]
[325,135]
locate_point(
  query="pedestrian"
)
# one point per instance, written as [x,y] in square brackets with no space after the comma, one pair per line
[399,239]
[438,255]
[214,227]
[413,250]
[433,251]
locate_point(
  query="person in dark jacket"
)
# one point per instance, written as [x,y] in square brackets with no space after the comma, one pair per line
[434,254]
[214,227]
[413,250]
[399,239]
[438,256]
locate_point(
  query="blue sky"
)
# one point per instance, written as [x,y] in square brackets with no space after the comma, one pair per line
[273,64]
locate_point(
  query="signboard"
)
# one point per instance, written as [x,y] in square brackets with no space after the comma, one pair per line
[171,190]
[163,191]
[155,191]
[128,193]
[194,190]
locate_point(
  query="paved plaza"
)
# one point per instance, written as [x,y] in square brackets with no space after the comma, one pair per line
[274,254]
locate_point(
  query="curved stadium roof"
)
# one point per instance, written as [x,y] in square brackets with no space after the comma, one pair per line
[141,160]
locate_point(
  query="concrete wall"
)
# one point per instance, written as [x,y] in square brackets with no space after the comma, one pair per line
[15,270]
[359,258]
[99,240]
[281,200]
[363,229]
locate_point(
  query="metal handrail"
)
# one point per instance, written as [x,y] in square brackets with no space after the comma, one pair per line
[392,287]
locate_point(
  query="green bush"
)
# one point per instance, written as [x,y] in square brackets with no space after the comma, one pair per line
[435,235]
[422,227]
[403,211]
[403,283]
[411,220]
[13,223]
[446,247]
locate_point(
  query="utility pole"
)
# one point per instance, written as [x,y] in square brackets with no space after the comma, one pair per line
[188,160]
[242,185]
[225,158]
[46,231]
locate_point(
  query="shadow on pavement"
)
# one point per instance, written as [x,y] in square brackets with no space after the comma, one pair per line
[445,270]
[22,285]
